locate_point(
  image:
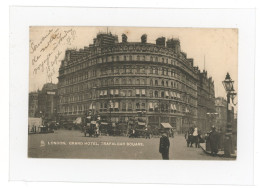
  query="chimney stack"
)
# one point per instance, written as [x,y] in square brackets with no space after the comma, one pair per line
[144,38]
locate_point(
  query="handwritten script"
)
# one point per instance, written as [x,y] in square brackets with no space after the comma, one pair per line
[46,51]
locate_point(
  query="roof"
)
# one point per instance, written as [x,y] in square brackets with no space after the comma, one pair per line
[166,125]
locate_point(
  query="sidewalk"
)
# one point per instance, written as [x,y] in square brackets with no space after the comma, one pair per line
[219,154]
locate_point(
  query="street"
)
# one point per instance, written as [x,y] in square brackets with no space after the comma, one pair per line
[73,144]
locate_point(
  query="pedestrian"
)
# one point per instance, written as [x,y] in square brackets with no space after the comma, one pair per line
[214,141]
[164,146]
[196,137]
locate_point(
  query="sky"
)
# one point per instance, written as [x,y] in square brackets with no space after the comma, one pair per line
[216,50]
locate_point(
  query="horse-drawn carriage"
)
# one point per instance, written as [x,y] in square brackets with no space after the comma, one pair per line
[92,129]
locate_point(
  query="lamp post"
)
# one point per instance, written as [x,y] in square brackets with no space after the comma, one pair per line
[228,85]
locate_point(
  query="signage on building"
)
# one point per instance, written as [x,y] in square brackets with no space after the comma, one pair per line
[51,92]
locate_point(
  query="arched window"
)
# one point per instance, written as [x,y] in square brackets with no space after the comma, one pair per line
[151,58]
[156,59]
[137,82]
[151,82]
[156,82]
[162,60]
[124,58]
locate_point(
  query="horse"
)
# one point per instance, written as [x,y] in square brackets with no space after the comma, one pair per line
[192,136]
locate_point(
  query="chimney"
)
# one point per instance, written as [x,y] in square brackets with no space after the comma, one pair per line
[160,41]
[144,38]
[124,38]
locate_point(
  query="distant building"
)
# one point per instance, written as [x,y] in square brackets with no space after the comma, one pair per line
[221,118]
[47,101]
[206,100]
[33,104]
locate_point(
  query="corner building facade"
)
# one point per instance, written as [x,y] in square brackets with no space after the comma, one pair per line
[120,81]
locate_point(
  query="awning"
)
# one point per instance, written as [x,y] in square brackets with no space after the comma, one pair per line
[101,93]
[77,121]
[116,92]
[141,123]
[105,92]
[116,105]
[89,117]
[111,92]
[143,91]
[104,123]
[167,94]
[174,94]
[151,105]
[166,125]
[137,92]
[93,122]
[173,107]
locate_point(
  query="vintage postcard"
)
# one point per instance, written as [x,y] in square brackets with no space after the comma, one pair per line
[138,93]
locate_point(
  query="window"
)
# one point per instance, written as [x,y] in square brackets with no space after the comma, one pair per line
[129,93]
[162,94]
[130,58]
[151,93]
[156,93]
[130,107]
[137,106]
[151,70]
[151,82]
[117,58]
[143,82]
[124,81]
[162,83]
[143,106]
[130,81]
[138,58]
[117,81]
[151,58]
[156,82]
[137,82]
[156,70]
[123,106]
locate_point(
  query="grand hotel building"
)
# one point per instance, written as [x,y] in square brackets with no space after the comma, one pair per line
[121,80]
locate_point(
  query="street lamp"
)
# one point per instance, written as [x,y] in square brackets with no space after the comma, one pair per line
[228,85]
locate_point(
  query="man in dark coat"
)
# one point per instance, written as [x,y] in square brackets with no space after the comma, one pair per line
[214,141]
[164,146]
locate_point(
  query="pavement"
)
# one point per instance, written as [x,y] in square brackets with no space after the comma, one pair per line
[72,144]
[219,154]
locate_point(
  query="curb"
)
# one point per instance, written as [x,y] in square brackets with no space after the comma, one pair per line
[217,155]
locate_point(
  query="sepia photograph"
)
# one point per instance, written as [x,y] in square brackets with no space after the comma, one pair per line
[133,93]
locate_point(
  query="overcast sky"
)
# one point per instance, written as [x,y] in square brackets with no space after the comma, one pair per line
[218,46]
